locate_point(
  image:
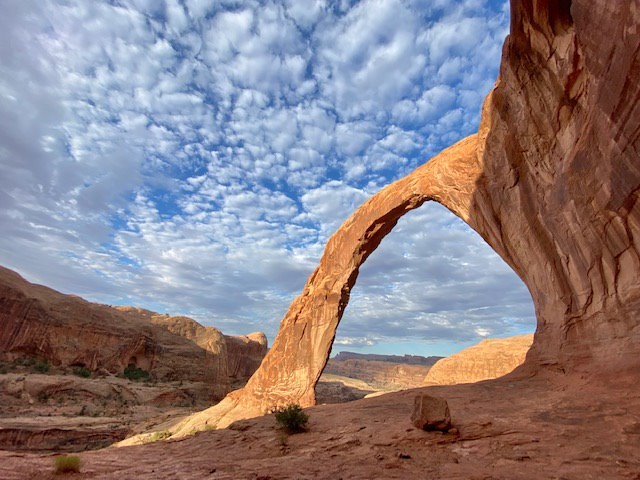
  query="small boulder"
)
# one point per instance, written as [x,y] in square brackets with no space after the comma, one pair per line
[431,413]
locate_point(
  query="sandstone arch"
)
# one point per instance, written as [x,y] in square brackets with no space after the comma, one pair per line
[551,181]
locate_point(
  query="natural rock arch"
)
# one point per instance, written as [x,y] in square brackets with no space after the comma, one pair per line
[551,181]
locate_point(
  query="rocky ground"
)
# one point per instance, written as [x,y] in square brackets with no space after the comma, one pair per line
[59,412]
[63,412]
[548,426]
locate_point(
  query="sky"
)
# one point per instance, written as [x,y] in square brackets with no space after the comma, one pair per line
[193,157]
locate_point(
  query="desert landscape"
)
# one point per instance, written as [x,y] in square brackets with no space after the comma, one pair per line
[551,181]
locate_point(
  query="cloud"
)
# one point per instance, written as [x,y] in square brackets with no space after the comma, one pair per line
[194,156]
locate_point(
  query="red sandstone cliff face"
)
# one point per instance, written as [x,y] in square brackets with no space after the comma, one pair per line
[67,331]
[491,358]
[551,181]
[238,356]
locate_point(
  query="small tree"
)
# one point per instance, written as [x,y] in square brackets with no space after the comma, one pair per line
[291,418]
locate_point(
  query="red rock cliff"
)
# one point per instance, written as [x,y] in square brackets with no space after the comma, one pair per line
[38,322]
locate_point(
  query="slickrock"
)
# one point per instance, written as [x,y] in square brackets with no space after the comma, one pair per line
[551,181]
[491,358]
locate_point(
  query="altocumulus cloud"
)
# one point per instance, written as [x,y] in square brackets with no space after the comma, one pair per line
[193,157]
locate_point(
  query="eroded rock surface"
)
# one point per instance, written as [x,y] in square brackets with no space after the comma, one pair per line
[551,181]
[491,358]
[68,332]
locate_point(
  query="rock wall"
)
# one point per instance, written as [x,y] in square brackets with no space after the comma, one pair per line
[551,181]
[237,356]
[491,358]
[67,331]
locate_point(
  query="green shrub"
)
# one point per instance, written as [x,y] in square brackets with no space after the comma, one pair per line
[67,464]
[83,372]
[42,366]
[135,373]
[25,362]
[157,436]
[292,418]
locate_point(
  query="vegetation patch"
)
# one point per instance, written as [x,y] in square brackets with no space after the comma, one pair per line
[41,366]
[83,372]
[291,418]
[67,464]
[157,436]
[135,373]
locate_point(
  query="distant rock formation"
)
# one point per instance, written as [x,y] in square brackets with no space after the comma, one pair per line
[67,331]
[491,358]
[551,181]
[385,375]
[404,359]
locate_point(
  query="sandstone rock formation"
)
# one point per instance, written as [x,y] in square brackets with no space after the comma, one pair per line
[431,413]
[491,358]
[551,181]
[67,331]
[239,356]
[56,412]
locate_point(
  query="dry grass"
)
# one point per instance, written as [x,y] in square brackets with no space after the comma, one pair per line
[67,464]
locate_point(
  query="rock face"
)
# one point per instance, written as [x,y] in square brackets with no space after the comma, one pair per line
[488,359]
[551,181]
[67,331]
[239,356]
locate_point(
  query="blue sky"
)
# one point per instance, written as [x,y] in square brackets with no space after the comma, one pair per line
[193,157]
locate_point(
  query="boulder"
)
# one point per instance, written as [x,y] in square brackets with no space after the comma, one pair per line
[431,413]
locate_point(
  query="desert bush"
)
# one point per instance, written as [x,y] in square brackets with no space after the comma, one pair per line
[41,366]
[83,372]
[291,418]
[67,464]
[135,373]
[157,436]
[25,362]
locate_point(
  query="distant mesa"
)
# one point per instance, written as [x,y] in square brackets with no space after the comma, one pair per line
[404,359]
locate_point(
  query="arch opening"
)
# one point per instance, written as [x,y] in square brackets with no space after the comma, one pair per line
[432,288]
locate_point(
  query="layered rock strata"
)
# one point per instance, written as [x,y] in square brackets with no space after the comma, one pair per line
[66,331]
[551,181]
